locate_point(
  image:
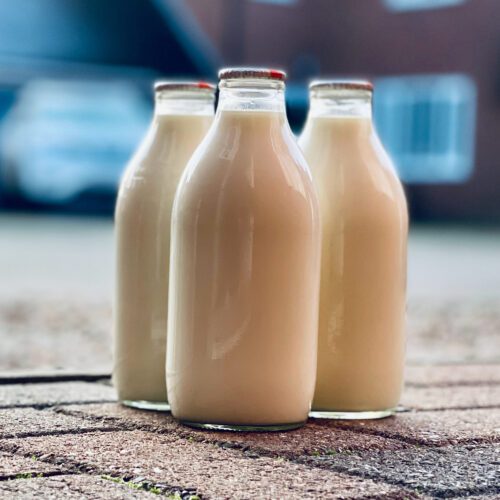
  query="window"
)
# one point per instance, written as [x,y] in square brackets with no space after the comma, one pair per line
[427,123]
[277,2]
[402,5]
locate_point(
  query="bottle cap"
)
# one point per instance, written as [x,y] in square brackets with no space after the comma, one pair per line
[173,85]
[252,73]
[341,85]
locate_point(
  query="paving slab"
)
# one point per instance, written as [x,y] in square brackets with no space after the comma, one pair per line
[54,394]
[457,374]
[207,470]
[54,333]
[71,486]
[313,438]
[453,331]
[451,397]
[73,333]
[23,422]
[127,418]
[443,472]
[439,428]
[14,465]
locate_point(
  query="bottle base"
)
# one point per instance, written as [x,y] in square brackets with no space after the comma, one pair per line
[243,428]
[146,405]
[352,415]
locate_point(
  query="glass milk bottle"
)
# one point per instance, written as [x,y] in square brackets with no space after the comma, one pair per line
[183,114]
[244,283]
[361,341]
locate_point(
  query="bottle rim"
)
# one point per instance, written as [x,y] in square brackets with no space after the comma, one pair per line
[363,85]
[171,85]
[252,74]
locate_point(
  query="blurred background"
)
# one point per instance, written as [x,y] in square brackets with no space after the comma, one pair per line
[75,100]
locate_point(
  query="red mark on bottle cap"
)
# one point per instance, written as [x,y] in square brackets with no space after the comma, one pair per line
[277,74]
[204,85]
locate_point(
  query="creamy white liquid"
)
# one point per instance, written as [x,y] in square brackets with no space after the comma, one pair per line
[245,277]
[142,222]
[363,272]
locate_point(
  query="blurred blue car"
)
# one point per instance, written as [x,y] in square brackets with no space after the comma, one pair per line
[65,138]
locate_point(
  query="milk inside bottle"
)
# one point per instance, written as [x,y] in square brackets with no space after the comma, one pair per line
[361,339]
[183,114]
[244,266]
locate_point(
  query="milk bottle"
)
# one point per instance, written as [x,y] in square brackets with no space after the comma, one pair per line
[244,280]
[363,270]
[183,113]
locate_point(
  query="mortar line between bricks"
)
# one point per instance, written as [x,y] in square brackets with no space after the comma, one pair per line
[61,432]
[84,468]
[441,385]
[43,406]
[453,408]
[53,379]
[35,475]
[419,442]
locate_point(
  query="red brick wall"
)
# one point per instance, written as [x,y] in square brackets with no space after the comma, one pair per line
[365,38]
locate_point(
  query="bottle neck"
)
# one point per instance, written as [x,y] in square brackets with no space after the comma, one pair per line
[255,95]
[341,104]
[184,103]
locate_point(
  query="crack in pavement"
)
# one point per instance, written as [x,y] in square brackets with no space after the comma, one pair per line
[253,451]
[257,452]
[43,406]
[73,467]
[32,475]
[60,432]
[6,379]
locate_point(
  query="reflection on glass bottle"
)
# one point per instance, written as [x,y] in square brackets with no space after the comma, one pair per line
[363,270]
[183,114]
[244,268]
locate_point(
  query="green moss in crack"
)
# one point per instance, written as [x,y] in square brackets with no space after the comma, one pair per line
[145,486]
[28,475]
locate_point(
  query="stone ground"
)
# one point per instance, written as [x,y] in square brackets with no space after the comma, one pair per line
[62,434]
[70,439]
[57,277]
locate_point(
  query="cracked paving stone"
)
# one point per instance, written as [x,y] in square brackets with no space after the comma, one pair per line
[53,394]
[453,374]
[208,470]
[19,422]
[72,486]
[12,465]
[128,418]
[457,397]
[315,437]
[435,428]
[436,471]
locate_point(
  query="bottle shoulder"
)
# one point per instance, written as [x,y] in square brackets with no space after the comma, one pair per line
[268,187]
